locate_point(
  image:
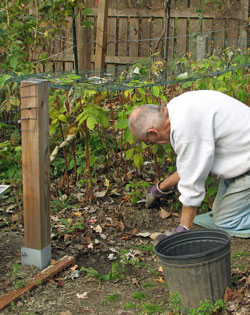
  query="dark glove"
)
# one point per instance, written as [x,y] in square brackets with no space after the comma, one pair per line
[179,229]
[155,193]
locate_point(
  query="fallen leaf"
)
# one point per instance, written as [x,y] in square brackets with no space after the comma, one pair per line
[78,213]
[143,234]
[82,296]
[100,194]
[65,313]
[9,208]
[153,236]
[164,214]
[121,225]
[4,284]
[14,218]
[231,295]
[98,229]
[160,269]
[74,267]
[160,280]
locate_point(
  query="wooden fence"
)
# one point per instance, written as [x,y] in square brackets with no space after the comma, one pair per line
[125,31]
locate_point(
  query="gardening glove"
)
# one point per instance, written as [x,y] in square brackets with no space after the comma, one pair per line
[162,236]
[155,193]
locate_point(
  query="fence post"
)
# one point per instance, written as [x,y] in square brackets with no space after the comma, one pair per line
[201,47]
[101,34]
[35,168]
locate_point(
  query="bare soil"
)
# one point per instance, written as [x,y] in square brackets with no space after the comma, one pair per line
[110,227]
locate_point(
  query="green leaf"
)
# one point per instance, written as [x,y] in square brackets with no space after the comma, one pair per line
[128,137]
[103,119]
[130,153]
[155,91]
[138,160]
[122,124]
[91,122]
[62,118]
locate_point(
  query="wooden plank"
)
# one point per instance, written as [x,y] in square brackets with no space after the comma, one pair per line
[111,37]
[68,66]
[133,35]
[170,52]
[35,163]
[233,34]
[123,37]
[41,278]
[157,38]
[244,30]
[182,13]
[83,44]
[195,4]
[145,50]
[194,28]
[218,34]
[181,37]
[206,31]
[101,34]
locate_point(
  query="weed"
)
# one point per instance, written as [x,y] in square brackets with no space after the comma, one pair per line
[113,274]
[148,285]
[129,305]
[112,298]
[149,308]
[139,295]
[15,270]
[175,304]
[137,190]
[241,267]
[240,254]
[20,284]
[129,258]
[206,308]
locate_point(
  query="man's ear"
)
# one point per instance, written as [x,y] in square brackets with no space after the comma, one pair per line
[153,132]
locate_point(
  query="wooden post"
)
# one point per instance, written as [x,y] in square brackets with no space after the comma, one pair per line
[35,167]
[244,20]
[83,44]
[101,34]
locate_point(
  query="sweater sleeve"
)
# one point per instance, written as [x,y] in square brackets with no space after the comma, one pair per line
[194,162]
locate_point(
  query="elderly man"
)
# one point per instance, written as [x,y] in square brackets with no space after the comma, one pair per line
[210,134]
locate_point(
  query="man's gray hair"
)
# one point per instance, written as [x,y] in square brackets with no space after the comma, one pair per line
[145,117]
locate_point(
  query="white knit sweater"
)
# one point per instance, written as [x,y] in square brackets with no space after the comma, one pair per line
[210,132]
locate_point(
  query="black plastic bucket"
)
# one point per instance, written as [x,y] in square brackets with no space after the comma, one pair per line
[196,265]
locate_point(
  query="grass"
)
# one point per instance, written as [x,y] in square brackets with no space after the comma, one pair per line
[149,308]
[139,295]
[112,298]
[240,254]
[129,306]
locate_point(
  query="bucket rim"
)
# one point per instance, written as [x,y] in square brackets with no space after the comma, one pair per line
[201,237]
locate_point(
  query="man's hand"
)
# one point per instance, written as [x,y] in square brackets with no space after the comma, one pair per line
[155,193]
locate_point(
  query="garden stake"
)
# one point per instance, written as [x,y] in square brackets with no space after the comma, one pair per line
[104,153]
[114,132]
[156,166]
[66,175]
[88,170]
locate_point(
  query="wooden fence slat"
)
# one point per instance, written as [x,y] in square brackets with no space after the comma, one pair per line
[195,4]
[133,35]
[157,28]
[233,33]
[193,30]
[181,37]
[219,33]
[145,34]
[122,37]
[101,34]
[206,28]
[170,52]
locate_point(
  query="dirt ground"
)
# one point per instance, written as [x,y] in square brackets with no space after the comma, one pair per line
[104,236]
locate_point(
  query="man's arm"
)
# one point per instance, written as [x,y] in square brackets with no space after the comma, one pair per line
[187,213]
[170,181]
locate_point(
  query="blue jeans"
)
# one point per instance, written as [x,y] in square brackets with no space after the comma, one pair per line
[231,208]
